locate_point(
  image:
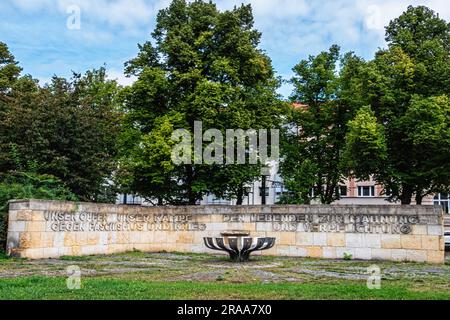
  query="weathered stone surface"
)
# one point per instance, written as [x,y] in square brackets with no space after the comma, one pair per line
[48,240]
[416,255]
[363,253]
[435,230]
[336,239]
[329,253]
[17,226]
[419,230]
[372,241]
[34,253]
[314,252]
[436,256]
[35,226]
[304,239]
[381,254]
[398,254]
[24,215]
[320,239]
[430,242]
[30,240]
[411,242]
[389,241]
[43,229]
[286,238]
[283,250]
[354,240]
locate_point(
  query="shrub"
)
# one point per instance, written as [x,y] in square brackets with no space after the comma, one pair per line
[27,185]
[348,256]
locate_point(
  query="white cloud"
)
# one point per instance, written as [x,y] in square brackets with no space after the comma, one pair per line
[125,14]
[340,14]
[32,5]
[121,79]
[292,29]
[298,28]
[120,13]
[44,80]
[112,74]
[273,9]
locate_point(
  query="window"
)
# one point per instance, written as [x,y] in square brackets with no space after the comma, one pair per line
[219,201]
[131,199]
[443,199]
[279,188]
[366,191]
[260,192]
[343,191]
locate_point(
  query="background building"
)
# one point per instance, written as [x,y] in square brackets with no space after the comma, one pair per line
[352,192]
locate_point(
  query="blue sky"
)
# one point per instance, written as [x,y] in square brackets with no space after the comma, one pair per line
[36,30]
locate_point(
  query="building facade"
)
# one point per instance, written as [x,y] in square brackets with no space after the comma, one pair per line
[352,192]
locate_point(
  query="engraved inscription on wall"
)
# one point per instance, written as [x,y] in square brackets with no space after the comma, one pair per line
[82,221]
[339,223]
[90,221]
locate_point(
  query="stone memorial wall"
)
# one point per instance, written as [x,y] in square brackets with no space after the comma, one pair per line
[50,229]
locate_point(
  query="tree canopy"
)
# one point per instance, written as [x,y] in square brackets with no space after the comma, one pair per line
[202,65]
[386,118]
[407,86]
[67,129]
[311,162]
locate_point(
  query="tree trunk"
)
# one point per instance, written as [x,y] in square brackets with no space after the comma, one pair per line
[406,195]
[329,194]
[240,196]
[191,196]
[263,188]
[419,198]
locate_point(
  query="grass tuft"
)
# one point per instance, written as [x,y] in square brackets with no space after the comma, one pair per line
[75,258]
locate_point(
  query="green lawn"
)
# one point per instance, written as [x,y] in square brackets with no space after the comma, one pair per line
[158,276]
[39,287]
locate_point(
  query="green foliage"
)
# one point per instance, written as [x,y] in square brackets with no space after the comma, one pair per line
[202,65]
[28,185]
[9,70]
[427,129]
[315,138]
[366,139]
[147,284]
[75,258]
[387,118]
[298,179]
[407,87]
[220,278]
[147,166]
[68,129]
[425,38]
[348,256]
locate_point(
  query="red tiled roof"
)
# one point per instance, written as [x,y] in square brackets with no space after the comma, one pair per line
[298,105]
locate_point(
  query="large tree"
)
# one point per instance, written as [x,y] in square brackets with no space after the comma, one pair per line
[9,73]
[9,70]
[67,129]
[315,139]
[407,86]
[203,65]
